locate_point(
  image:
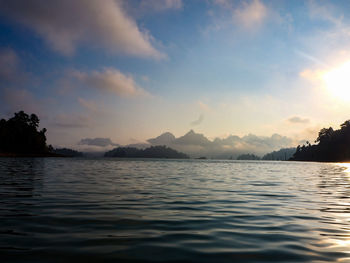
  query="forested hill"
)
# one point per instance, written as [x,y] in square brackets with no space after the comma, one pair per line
[20,135]
[331,146]
[151,152]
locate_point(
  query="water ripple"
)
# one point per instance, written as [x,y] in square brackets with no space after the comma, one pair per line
[110,210]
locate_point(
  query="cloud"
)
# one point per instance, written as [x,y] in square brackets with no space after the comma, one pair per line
[65,24]
[71,121]
[198,121]
[111,80]
[203,106]
[88,104]
[9,63]
[13,100]
[100,142]
[324,11]
[161,5]
[298,120]
[251,14]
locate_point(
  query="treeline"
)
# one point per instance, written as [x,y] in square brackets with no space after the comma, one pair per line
[331,146]
[20,134]
[283,154]
[151,152]
[248,156]
[67,152]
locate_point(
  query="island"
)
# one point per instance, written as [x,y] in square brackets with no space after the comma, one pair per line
[331,146]
[151,152]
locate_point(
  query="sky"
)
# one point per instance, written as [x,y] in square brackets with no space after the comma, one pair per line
[128,71]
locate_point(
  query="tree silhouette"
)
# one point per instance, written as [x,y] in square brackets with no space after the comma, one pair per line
[332,146]
[20,134]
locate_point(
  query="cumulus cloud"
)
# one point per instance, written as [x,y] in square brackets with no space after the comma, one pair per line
[64,24]
[100,142]
[111,80]
[298,120]
[198,121]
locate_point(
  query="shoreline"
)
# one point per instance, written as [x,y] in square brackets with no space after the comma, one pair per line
[29,155]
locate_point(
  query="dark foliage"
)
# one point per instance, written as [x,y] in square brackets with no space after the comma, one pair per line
[151,152]
[68,152]
[248,156]
[20,134]
[280,155]
[332,146]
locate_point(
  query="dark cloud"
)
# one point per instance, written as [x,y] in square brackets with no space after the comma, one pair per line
[100,142]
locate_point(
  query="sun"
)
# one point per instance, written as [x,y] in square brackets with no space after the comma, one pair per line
[337,81]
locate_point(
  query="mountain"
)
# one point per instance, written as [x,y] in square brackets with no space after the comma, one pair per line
[163,139]
[192,138]
[197,144]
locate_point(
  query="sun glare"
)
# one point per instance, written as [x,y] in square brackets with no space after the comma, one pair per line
[337,81]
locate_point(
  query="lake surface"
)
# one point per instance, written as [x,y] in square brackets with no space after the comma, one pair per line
[110,210]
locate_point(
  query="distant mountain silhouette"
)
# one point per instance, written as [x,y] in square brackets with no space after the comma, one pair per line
[280,155]
[151,152]
[197,145]
[248,157]
[192,138]
[163,139]
[332,146]
[20,135]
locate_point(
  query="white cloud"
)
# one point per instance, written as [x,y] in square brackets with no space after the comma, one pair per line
[65,24]
[111,80]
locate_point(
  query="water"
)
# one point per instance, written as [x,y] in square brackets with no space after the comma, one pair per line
[108,210]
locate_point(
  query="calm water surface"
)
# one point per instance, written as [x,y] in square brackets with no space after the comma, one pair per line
[108,210]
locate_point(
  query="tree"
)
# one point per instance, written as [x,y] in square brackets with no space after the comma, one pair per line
[324,134]
[20,134]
